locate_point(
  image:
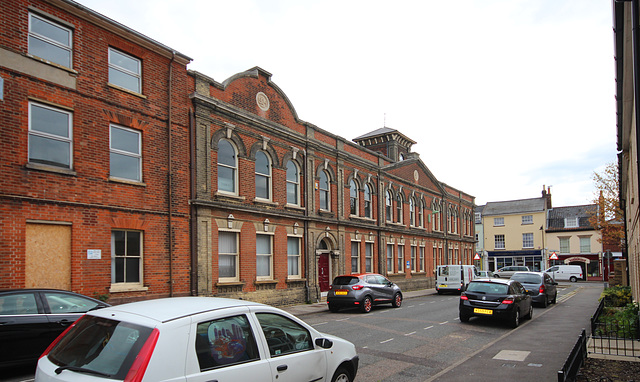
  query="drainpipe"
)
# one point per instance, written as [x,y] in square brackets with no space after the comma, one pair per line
[305,192]
[170,173]
[193,226]
[635,19]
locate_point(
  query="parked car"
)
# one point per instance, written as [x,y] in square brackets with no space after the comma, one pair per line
[485,274]
[31,318]
[196,339]
[540,286]
[561,272]
[496,298]
[363,291]
[507,272]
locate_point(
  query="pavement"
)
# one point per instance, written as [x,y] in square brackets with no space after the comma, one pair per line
[533,355]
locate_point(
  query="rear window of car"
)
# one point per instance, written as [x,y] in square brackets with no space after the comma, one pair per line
[525,278]
[345,280]
[101,345]
[488,288]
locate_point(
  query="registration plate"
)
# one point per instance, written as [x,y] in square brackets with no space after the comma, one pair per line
[341,293]
[482,311]
[443,285]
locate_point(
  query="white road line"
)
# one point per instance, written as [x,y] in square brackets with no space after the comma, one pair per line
[408,334]
[385,341]
[320,323]
[446,322]
[428,327]
[343,319]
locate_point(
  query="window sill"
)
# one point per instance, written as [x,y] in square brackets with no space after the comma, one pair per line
[265,202]
[44,167]
[294,207]
[229,283]
[295,280]
[119,288]
[265,282]
[223,195]
[133,93]
[127,181]
[326,213]
[57,66]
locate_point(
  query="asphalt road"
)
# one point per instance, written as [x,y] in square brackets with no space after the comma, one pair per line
[425,341]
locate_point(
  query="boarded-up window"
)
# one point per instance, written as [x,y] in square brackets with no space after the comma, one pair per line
[48,247]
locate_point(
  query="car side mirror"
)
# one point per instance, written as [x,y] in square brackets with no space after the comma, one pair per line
[324,343]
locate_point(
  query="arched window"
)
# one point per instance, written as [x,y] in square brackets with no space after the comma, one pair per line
[399,204]
[367,201]
[293,183]
[388,202]
[353,197]
[421,213]
[227,167]
[263,176]
[323,188]
[412,212]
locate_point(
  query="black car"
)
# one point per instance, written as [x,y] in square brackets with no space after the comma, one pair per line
[540,286]
[30,319]
[496,298]
[363,291]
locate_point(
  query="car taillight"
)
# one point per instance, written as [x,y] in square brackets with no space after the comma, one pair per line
[463,297]
[330,287]
[136,372]
[61,336]
[541,290]
[508,300]
[357,287]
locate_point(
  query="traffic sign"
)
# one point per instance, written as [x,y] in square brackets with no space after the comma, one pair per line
[476,257]
[553,256]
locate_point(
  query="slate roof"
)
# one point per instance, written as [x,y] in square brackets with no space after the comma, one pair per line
[556,216]
[514,207]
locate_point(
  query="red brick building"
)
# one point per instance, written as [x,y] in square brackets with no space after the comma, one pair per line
[94,149]
[283,206]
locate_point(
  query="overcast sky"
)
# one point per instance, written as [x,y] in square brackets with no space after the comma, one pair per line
[501,96]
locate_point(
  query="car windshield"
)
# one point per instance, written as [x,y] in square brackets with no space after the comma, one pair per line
[100,345]
[488,288]
[527,279]
[345,280]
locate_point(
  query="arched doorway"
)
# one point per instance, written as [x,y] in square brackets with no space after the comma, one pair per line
[323,257]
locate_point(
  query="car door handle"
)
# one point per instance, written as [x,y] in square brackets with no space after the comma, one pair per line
[282,368]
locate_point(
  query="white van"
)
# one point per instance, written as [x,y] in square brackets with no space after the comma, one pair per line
[571,273]
[454,278]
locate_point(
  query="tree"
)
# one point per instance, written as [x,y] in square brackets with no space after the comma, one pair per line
[609,218]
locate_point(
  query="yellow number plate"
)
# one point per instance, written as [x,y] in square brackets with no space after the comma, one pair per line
[341,293]
[482,311]
[443,285]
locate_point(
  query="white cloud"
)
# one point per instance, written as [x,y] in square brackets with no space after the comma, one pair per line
[497,93]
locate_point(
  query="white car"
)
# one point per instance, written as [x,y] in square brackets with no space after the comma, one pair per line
[195,339]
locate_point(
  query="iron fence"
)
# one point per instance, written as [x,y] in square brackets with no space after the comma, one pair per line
[575,360]
[614,336]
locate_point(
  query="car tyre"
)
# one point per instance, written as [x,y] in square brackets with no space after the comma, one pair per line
[545,301]
[341,375]
[464,317]
[530,314]
[333,308]
[496,276]
[515,318]
[573,279]
[555,298]
[366,305]
[397,300]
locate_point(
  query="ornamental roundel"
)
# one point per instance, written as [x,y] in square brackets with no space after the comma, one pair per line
[415,175]
[263,101]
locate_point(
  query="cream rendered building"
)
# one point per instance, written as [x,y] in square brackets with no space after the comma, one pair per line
[514,232]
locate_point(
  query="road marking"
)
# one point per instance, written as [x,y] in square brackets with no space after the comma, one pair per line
[428,327]
[385,341]
[320,323]
[408,334]
[442,323]
[343,319]
[410,306]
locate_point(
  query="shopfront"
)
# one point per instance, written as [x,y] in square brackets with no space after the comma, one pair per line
[532,259]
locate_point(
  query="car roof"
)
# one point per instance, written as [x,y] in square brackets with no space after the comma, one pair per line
[171,308]
[360,275]
[494,280]
[528,273]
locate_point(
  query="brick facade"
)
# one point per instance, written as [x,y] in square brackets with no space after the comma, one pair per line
[83,195]
[250,114]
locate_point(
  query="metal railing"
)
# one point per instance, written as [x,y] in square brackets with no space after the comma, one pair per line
[619,337]
[575,360]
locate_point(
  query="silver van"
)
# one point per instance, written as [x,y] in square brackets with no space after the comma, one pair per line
[571,273]
[507,272]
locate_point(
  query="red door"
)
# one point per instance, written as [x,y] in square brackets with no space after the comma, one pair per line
[323,272]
